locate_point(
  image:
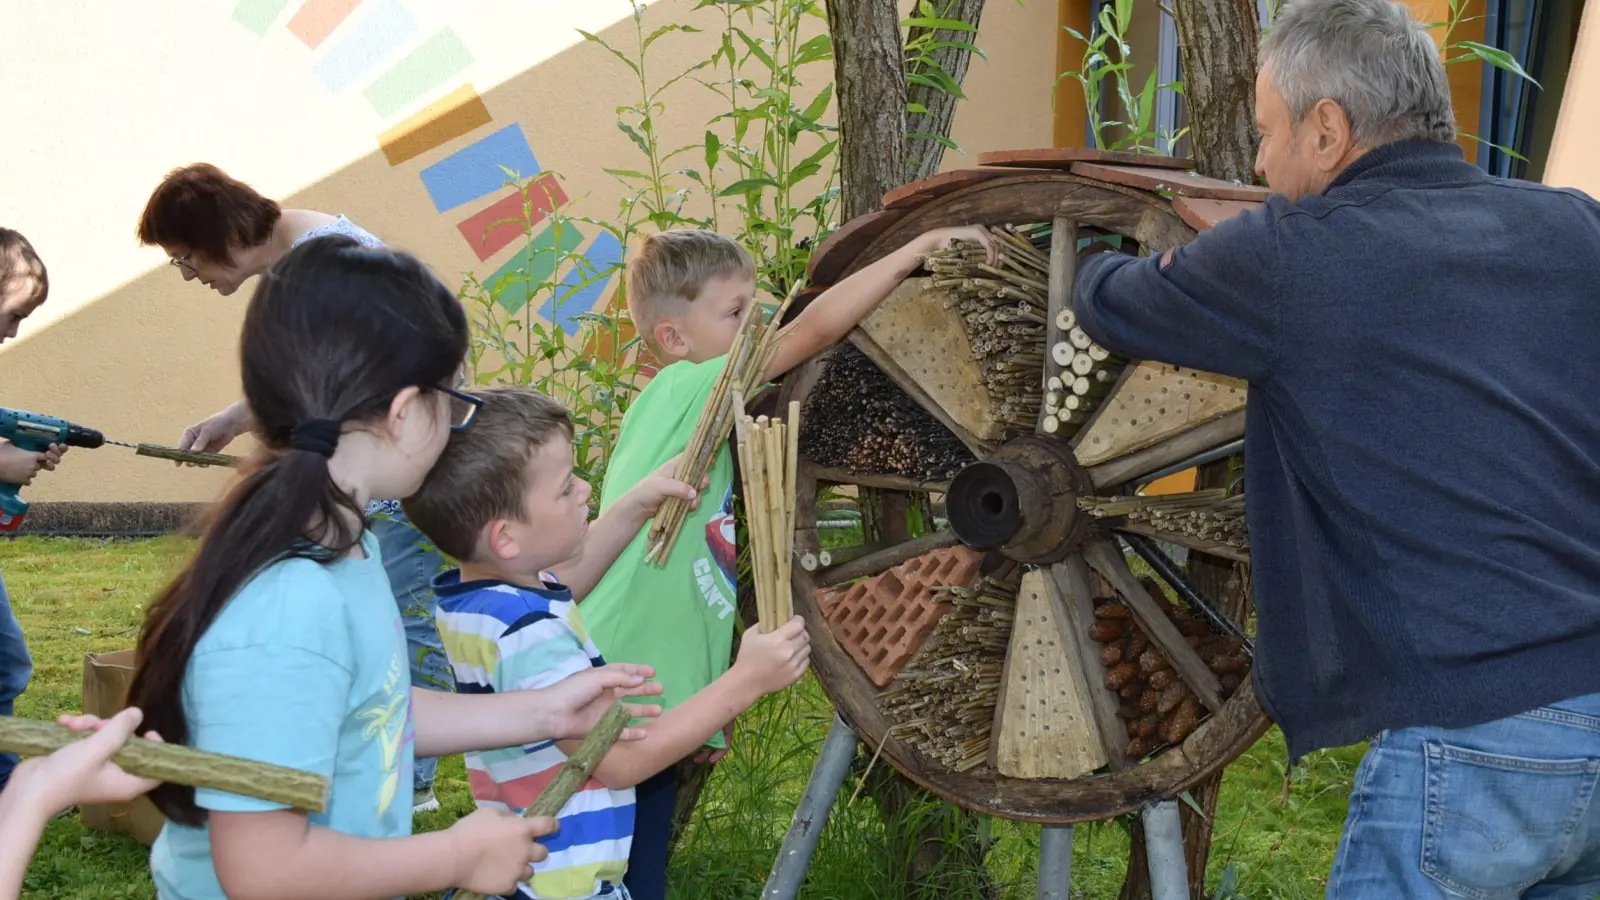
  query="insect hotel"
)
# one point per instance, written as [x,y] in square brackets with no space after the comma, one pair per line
[1012,662]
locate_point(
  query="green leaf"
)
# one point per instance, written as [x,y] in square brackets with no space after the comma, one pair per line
[938,24]
[747,186]
[612,50]
[626,173]
[1500,59]
[814,50]
[713,145]
[818,104]
[916,109]
[666,29]
[802,172]
[636,137]
[936,138]
[1147,101]
[756,49]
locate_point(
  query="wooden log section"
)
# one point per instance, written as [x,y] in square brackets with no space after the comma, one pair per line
[884,560]
[1103,556]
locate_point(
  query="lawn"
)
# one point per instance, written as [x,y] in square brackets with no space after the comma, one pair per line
[77,596]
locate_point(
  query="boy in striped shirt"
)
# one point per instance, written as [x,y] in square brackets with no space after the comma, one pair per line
[504,500]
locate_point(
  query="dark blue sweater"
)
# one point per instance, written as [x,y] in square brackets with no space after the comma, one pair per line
[1422,448]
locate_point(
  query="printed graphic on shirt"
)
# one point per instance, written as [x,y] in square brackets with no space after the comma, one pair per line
[389,723]
[716,575]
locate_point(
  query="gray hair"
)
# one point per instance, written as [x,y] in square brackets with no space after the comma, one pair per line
[1370,57]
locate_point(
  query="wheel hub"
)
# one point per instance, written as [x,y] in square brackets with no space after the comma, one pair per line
[1022,501]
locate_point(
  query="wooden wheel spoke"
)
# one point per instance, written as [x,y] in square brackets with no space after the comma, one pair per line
[1185,443]
[1167,570]
[895,365]
[1068,586]
[885,559]
[1215,548]
[868,479]
[1106,560]
[1063,270]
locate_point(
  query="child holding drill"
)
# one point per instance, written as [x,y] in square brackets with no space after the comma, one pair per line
[687,290]
[24,285]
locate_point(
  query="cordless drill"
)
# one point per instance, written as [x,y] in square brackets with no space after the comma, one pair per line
[35,433]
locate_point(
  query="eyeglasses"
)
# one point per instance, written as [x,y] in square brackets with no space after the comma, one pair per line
[463,408]
[183,265]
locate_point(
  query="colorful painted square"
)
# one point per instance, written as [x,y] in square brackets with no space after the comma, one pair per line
[475,171]
[431,64]
[317,19]
[374,36]
[494,228]
[439,123]
[258,15]
[583,287]
[532,267]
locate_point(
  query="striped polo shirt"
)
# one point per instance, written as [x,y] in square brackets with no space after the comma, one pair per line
[504,637]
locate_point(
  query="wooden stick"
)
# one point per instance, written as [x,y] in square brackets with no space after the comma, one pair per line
[177,764]
[189,456]
[577,770]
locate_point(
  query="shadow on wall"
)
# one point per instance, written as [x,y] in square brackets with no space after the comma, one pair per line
[157,354]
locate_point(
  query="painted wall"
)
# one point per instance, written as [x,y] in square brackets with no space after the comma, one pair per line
[396,113]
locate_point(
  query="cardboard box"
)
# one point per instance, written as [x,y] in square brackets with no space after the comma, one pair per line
[106,677]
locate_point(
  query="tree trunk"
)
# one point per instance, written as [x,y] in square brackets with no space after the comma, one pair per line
[923,150]
[870,82]
[1217,42]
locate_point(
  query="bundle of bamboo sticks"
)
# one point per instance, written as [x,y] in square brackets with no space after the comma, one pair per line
[753,349]
[1209,514]
[768,460]
[944,701]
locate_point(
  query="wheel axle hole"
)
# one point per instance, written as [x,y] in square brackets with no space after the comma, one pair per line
[992,503]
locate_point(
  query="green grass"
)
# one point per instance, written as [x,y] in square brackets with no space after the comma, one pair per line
[84,596]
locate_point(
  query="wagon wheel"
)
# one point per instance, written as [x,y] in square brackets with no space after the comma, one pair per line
[1012,482]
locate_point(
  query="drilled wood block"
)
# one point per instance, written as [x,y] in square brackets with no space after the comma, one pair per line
[1154,402]
[883,620]
[1064,157]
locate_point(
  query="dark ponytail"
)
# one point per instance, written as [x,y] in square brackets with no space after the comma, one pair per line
[334,331]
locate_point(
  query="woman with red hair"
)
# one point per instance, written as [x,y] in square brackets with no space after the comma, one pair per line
[221,232]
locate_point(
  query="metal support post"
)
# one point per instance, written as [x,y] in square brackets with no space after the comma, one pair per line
[811,816]
[1163,846]
[1055,862]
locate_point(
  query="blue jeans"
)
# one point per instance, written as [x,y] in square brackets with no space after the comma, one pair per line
[411,562]
[16,667]
[1502,809]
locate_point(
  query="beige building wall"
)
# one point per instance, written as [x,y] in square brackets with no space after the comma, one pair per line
[296,97]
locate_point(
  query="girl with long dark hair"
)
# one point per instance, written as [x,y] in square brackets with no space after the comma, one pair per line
[279,640]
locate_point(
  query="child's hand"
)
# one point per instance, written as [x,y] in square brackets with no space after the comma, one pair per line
[574,705]
[940,238]
[776,659]
[495,849]
[647,496]
[19,466]
[81,772]
[711,757]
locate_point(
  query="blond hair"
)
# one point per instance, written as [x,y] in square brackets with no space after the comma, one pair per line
[669,271]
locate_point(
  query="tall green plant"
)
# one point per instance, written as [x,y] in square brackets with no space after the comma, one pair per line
[1102,75]
[1456,52]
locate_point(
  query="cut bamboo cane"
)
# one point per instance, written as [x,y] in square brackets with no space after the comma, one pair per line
[769,458]
[577,770]
[177,764]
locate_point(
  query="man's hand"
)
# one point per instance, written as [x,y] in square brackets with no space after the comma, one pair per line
[940,238]
[81,772]
[646,497]
[212,434]
[574,705]
[19,466]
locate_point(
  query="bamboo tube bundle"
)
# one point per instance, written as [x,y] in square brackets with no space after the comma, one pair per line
[748,359]
[768,460]
[1210,514]
[944,699]
[874,427]
[573,774]
[177,764]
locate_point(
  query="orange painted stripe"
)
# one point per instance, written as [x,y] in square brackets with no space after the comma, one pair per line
[442,121]
[318,18]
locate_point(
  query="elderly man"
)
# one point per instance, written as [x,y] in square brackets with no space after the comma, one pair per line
[1422,458]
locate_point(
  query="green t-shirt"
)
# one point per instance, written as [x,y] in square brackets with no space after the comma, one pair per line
[677,617]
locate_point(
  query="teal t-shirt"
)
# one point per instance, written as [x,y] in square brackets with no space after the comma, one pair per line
[305,667]
[677,617]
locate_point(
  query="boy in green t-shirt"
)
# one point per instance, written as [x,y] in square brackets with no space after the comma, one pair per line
[686,293]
